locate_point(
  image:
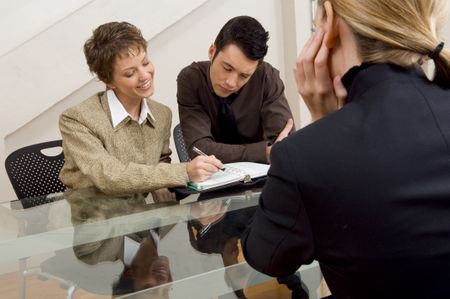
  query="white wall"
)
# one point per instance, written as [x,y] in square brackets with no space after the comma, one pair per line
[18,15]
[41,76]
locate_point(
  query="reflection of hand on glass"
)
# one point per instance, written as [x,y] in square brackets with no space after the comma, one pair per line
[163,195]
[208,211]
[213,224]
[205,229]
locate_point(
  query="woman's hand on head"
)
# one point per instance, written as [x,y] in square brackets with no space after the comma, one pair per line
[202,167]
[322,94]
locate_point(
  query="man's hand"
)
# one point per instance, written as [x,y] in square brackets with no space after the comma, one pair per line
[202,167]
[283,134]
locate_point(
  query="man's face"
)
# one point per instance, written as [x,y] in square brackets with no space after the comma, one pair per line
[230,69]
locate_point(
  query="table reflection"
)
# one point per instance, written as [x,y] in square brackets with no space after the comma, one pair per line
[140,246]
[143,266]
[214,226]
[215,229]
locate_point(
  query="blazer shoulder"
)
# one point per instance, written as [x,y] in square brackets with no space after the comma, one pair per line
[157,106]
[90,108]
[159,110]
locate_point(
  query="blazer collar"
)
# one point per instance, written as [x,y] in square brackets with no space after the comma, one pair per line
[360,78]
[118,113]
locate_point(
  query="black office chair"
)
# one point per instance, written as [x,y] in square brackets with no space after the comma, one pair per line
[180,145]
[34,174]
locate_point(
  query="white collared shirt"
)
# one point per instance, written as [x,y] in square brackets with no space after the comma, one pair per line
[131,247]
[118,112]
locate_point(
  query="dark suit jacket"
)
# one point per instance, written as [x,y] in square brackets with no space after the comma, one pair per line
[365,191]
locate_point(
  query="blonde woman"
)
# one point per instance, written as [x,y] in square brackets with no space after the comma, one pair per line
[365,189]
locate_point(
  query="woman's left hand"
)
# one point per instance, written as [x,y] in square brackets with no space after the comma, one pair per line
[163,195]
[322,94]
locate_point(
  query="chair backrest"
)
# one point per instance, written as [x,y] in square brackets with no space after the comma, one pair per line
[180,145]
[32,173]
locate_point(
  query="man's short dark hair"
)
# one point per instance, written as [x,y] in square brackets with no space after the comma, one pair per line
[247,34]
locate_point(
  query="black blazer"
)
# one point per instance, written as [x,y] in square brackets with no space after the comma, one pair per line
[365,191]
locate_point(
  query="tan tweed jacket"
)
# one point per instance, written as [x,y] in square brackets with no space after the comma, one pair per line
[129,158]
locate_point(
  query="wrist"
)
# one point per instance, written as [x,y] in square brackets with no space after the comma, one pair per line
[188,171]
[268,149]
[316,117]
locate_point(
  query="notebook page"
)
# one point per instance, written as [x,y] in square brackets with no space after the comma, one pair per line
[234,172]
[254,170]
[217,179]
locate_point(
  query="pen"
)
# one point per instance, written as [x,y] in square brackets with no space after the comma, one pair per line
[195,149]
[205,230]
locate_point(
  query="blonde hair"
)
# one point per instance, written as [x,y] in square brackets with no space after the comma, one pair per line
[400,32]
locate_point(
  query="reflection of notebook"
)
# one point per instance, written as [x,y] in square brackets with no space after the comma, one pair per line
[234,172]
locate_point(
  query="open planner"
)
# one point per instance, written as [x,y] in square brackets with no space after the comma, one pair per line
[234,172]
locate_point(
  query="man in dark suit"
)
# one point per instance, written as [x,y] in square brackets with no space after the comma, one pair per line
[365,191]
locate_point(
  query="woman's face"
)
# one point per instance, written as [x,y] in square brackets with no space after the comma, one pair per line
[157,273]
[132,76]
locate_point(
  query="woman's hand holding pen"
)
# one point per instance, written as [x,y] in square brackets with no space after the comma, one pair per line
[202,167]
[321,93]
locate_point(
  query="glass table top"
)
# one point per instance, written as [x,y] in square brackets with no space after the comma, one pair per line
[132,247]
